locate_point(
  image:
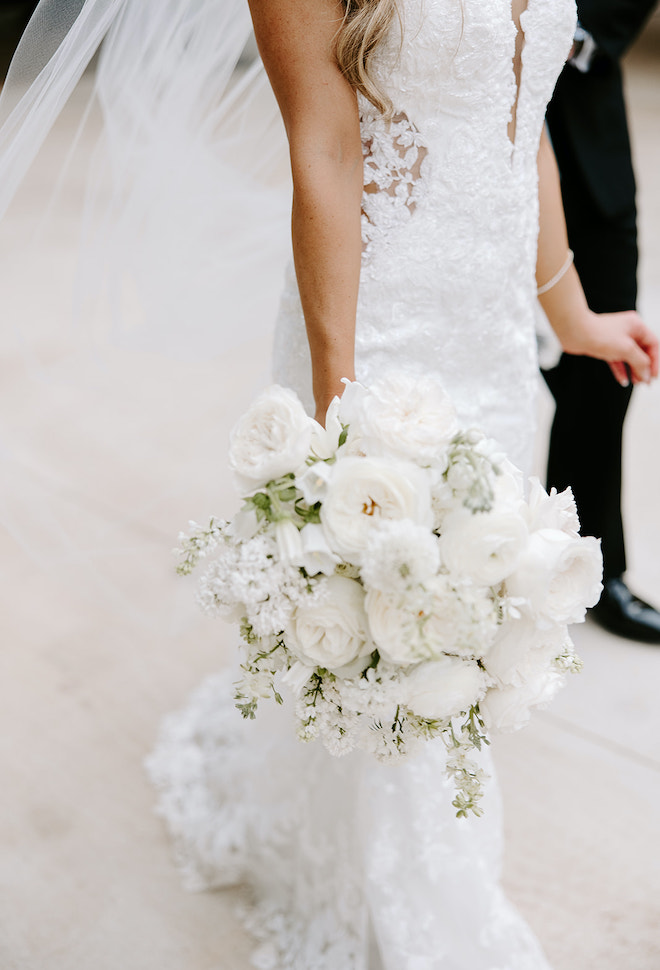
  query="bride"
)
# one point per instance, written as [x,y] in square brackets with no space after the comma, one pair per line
[426,224]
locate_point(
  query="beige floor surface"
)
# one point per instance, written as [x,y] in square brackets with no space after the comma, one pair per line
[86,876]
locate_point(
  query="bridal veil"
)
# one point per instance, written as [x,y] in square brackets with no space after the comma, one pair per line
[176,249]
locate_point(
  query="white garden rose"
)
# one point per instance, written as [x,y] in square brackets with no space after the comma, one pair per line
[399,555]
[556,510]
[364,492]
[506,709]
[508,488]
[271,439]
[402,415]
[443,688]
[559,576]
[520,650]
[332,631]
[424,623]
[484,547]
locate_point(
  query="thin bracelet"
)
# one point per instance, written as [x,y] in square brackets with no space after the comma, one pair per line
[555,279]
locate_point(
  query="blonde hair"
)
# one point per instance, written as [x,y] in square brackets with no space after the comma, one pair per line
[365,25]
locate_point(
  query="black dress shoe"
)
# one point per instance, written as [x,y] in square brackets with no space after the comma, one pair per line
[623,613]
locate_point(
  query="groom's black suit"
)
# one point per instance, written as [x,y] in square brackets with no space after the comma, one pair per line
[589,131]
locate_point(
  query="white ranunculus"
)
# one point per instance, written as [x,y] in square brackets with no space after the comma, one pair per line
[559,575]
[317,556]
[289,543]
[484,547]
[424,623]
[399,555]
[332,631]
[554,511]
[271,439]
[443,688]
[402,415]
[363,492]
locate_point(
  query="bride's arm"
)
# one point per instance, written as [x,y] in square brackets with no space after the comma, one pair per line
[319,108]
[619,338]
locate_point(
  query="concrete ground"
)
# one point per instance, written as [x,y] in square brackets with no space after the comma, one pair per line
[97,647]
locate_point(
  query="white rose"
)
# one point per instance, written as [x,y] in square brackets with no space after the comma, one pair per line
[553,511]
[508,488]
[443,688]
[520,649]
[506,709]
[332,631]
[363,492]
[317,556]
[271,439]
[403,415]
[425,623]
[484,547]
[399,555]
[559,575]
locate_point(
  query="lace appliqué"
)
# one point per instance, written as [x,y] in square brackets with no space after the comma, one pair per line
[394,154]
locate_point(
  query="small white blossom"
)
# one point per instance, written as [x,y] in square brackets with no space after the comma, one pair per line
[399,555]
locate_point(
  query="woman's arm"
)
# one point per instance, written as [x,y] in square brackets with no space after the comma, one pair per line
[619,338]
[319,108]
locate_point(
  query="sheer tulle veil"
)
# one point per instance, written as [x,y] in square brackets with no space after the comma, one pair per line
[178,250]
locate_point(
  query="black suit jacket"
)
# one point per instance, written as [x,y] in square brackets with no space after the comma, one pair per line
[587,120]
[614,24]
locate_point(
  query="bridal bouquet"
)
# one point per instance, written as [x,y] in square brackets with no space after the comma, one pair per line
[389,570]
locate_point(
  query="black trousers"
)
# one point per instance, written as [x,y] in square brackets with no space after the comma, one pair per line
[588,127]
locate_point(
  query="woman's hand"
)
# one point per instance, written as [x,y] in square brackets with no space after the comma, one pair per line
[621,339]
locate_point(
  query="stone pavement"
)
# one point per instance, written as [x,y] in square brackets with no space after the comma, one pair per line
[86,875]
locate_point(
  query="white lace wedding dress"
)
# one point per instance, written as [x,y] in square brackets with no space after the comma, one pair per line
[354,865]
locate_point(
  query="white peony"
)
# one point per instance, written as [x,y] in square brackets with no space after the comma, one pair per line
[443,688]
[271,439]
[559,575]
[401,415]
[364,492]
[484,547]
[554,511]
[424,623]
[399,555]
[332,631]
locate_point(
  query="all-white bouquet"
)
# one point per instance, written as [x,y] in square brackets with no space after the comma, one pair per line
[389,571]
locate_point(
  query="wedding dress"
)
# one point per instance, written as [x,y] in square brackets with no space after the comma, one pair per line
[354,865]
